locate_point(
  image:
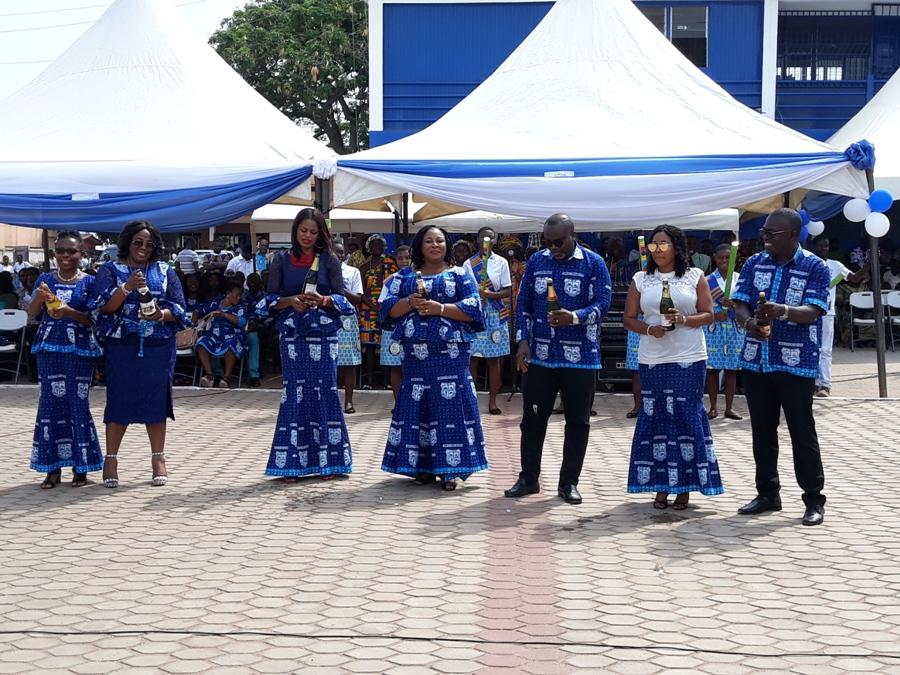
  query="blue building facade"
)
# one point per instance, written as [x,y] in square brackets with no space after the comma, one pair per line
[824,65]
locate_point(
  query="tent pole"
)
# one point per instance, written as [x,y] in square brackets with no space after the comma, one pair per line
[322,197]
[404,210]
[45,244]
[878,304]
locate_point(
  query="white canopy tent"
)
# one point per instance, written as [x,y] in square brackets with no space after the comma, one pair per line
[140,117]
[596,114]
[879,123]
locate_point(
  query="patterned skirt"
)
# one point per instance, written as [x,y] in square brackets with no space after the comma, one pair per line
[631,350]
[310,434]
[349,350]
[225,341]
[493,341]
[724,343]
[672,449]
[64,432]
[139,388]
[391,350]
[436,428]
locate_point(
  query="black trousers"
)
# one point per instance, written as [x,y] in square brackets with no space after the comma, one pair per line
[767,395]
[538,396]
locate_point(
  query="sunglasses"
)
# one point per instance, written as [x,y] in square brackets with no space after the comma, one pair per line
[555,243]
[655,246]
[67,251]
[143,243]
[770,234]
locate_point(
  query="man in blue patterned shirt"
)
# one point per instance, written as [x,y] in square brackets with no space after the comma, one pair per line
[560,351]
[781,360]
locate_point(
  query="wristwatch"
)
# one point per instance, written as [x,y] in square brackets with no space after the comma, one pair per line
[784,315]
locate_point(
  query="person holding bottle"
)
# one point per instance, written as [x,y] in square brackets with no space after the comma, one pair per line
[305,294]
[672,449]
[491,273]
[434,312]
[66,352]
[559,351]
[140,306]
[779,301]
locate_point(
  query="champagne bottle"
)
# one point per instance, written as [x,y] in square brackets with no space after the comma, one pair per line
[552,301]
[665,304]
[147,303]
[485,255]
[312,277]
[420,286]
[764,324]
[54,302]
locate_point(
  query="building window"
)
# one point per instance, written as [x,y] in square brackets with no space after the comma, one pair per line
[656,16]
[689,33]
[824,46]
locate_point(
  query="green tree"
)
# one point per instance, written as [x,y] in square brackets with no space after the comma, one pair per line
[309,58]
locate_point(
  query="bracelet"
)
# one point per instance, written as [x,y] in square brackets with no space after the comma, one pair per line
[442,309]
[648,329]
[784,316]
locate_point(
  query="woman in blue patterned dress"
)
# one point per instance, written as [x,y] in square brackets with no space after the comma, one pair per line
[436,429]
[139,349]
[349,348]
[724,338]
[310,434]
[391,351]
[672,450]
[494,286]
[66,351]
[225,335]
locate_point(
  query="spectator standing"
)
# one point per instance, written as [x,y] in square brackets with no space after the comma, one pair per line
[349,350]
[262,258]
[244,263]
[781,359]
[187,261]
[217,260]
[252,297]
[391,350]
[5,266]
[21,263]
[724,338]
[373,271]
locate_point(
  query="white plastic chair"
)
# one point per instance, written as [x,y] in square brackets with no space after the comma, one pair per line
[14,321]
[892,303]
[865,300]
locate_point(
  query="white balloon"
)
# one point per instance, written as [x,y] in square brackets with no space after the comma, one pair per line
[877,224]
[856,210]
[815,228]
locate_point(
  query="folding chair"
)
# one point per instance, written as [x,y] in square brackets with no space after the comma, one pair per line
[13,321]
[865,300]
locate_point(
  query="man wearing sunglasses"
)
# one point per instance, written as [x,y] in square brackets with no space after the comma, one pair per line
[781,360]
[559,351]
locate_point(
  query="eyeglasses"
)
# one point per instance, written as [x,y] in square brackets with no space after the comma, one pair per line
[770,234]
[655,246]
[143,243]
[67,251]
[555,243]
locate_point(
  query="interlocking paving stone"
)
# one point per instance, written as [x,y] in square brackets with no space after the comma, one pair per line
[536,585]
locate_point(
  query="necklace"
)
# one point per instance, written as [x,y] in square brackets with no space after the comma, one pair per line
[67,279]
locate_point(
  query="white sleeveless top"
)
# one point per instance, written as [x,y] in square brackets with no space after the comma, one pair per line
[682,345]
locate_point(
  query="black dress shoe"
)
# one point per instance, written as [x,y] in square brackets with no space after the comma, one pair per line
[522,488]
[814,515]
[760,505]
[570,494]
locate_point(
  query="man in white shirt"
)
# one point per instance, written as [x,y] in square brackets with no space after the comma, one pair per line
[187,259]
[821,247]
[6,267]
[244,263]
[20,264]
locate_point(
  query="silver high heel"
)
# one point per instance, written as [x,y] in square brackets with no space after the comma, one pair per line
[158,481]
[111,482]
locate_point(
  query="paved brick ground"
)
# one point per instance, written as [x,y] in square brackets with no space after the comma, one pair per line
[373,574]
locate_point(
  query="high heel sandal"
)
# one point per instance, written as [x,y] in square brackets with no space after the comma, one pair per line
[158,481]
[679,504]
[52,480]
[112,481]
[79,479]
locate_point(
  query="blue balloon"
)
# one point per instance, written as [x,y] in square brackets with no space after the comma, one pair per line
[804,217]
[804,233]
[880,201]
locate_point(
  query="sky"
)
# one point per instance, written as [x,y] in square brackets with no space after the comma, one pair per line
[33,33]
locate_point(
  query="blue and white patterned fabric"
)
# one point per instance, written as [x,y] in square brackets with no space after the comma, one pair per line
[391,350]
[672,449]
[436,426]
[631,347]
[66,351]
[310,433]
[724,339]
[221,335]
[804,280]
[582,285]
[349,349]
[64,336]
[493,341]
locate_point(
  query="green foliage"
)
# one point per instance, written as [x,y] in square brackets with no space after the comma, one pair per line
[309,58]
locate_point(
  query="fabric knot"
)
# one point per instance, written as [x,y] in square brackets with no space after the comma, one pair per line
[861,155]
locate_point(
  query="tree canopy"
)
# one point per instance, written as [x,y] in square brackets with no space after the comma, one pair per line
[309,58]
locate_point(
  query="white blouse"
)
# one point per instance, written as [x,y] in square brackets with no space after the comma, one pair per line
[684,344]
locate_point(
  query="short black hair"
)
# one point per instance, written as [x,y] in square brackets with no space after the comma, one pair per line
[483,229]
[69,234]
[560,219]
[722,247]
[404,248]
[132,229]
[415,252]
[679,242]
[232,284]
[789,217]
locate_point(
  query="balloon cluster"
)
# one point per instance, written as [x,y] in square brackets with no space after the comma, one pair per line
[871,212]
[810,228]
